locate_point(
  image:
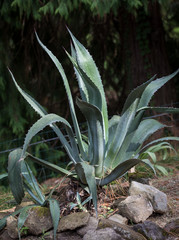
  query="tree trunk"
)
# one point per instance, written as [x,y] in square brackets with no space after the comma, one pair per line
[144,52]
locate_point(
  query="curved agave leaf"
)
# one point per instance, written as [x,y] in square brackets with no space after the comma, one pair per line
[90,92]
[55,214]
[3,220]
[119,171]
[21,220]
[68,91]
[146,128]
[113,123]
[33,103]
[14,174]
[158,140]
[4,175]
[95,123]
[49,165]
[119,135]
[88,66]
[86,174]
[41,111]
[136,93]
[161,109]
[152,88]
[32,183]
[134,140]
[41,124]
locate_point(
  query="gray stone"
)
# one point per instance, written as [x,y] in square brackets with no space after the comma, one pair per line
[101,234]
[118,218]
[91,225]
[73,221]
[157,198]
[5,236]
[152,231]
[69,235]
[38,220]
[11,226]
[123,232]
[136,208]
[173,226]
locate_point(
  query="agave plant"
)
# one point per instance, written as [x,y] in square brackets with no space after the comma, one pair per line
[111,147]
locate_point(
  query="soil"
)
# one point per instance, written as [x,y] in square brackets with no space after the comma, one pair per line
[66,193]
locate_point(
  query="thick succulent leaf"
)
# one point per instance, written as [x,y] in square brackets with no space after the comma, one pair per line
[88,66]
[86,173]
[149,164]
[161,169]
[152,88]
[161,109]
[41,111]
[3,220]
[119,135]
[119,171]
[21,220]
[41,124]
[34,104]
[90,90]
[14,174]
[136,93]
[4,175]
[49,165]
[55,214]
[82,87]
[113,123]
[158,140]
[95,123]
[32,183]
[68,91]
[134,141]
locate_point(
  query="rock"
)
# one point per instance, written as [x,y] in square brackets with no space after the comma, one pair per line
[172,226]
[101,234]
[11,226]
[152,231]
[69,235]
[73,221]
[130,208]
[23,204]
[91,225]
[157,198]
[39,220]
[5,236]
[123,232]
[118,218]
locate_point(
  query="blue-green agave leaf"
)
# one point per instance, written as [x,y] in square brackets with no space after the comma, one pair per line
[88,66]
[68,91]
[119,135]
[3,220]
[4,175]
[41,111]
[95,123]
[31,181]
[159,140]
[21,220]
[136,93]
[161,109]
[41,124]
[153,87]
[14,174]
[149,164]
[34,104]
[55,214]
[86,173]
[118,171]
[146,128]
[49,165]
